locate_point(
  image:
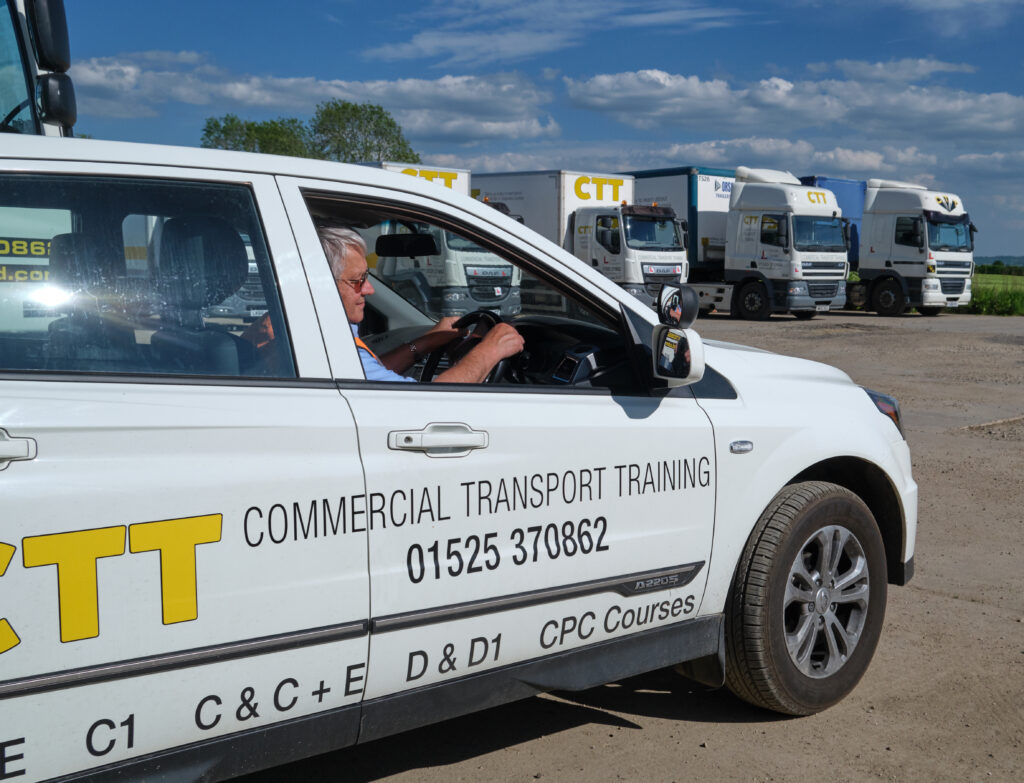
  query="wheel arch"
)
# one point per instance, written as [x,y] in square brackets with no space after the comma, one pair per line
[872,485]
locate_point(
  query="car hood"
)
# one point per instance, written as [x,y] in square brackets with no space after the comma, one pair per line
[744,365]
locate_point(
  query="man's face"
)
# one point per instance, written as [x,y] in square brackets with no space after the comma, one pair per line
[353,293]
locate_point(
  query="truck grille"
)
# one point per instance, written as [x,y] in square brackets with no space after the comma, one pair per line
[822,290]
[952,286]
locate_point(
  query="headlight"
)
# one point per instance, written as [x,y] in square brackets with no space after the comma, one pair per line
[797,288]
[842,287]
[967,285]
[887,406]
[454,296]
[931,285]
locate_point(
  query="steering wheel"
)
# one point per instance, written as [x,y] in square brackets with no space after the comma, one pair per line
[460,347]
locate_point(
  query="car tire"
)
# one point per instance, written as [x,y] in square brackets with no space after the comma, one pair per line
[752,301]
[930,311]
[795,642]
[888,298]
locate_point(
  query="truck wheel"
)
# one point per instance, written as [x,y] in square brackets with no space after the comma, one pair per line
[929,310]
[887,298]
[753,303]
[807,602]
[804,315]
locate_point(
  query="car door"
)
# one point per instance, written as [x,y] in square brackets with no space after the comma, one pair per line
[178,557]
[509,522]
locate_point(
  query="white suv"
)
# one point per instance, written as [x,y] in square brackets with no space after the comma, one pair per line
[220,543]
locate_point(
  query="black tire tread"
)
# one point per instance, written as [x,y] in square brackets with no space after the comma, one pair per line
[748,669]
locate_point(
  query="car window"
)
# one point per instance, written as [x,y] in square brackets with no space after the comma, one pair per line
[425,267]
[113,275]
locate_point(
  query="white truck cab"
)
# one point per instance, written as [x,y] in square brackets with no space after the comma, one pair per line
[786,246]
[594,216]
[917,249]
[461,276]
[223,547]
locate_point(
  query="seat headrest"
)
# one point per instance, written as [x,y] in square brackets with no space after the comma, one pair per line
[202,261]
[77,264]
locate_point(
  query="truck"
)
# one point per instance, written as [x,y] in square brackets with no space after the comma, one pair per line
[595,217]
[462,276]
[910,246]
[36,94]
[758,241]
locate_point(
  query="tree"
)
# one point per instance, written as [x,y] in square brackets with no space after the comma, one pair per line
[354,132]
[339,130]
[283,136]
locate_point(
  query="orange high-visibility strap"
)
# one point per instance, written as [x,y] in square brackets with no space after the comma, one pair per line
[365,347]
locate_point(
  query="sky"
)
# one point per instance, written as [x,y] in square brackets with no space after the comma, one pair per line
[925,91]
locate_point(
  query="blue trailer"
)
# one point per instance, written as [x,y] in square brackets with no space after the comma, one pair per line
[850,197]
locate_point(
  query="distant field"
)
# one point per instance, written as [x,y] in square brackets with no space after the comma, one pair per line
[999,282]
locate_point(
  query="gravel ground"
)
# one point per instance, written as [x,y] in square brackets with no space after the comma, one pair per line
[943,699]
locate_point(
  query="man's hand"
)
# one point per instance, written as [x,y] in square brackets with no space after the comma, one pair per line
[499,343]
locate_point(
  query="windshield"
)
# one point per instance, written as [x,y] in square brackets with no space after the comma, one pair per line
[645,233]
[15,96]
[818,234]
[461,244]
[950,236]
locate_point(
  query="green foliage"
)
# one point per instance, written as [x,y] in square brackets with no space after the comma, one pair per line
[999,268]
[997,295]
[353,132]
[339,130]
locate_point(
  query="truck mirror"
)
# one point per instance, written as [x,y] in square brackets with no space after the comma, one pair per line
[678,355]
[919,234]
[55,97]
[49,27]
[846,233]
[784,233]
[678,305]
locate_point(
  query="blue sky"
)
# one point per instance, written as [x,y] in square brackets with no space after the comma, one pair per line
[927,91]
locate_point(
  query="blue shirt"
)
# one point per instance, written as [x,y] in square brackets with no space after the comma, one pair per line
[372,368]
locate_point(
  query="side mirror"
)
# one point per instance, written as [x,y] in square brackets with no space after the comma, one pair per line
[678,356]
[49,28]
[678,305]
[55,97]
[919,235]
[784,233]
[846,233]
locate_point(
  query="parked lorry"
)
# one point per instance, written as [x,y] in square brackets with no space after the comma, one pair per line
[759,242]
[36,94]
[593,216]
[913,247]
[462,276]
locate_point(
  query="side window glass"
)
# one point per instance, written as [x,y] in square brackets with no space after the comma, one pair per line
[421,269]
[906,233]
[138,276]
[772,230]
[608,235]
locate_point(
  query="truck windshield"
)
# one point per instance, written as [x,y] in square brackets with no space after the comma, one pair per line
[818,234]
[463,245]
[16,114]
[644,233]
[950,233]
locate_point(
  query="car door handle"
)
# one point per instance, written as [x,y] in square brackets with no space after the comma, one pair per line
[15,449]
[439,440]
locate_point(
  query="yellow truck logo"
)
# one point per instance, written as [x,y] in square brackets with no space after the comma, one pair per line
[598,185]
[75,554]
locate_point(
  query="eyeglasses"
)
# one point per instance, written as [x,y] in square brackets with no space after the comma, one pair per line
[358,282]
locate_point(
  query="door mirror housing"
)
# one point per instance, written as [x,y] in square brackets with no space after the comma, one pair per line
[55,99]
[678,356]
[678,305]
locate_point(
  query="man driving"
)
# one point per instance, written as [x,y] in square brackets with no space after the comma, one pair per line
[346,252]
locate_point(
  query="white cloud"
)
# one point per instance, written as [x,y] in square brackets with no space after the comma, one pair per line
[454,108]
[478,32]
[651,99]
[905,70]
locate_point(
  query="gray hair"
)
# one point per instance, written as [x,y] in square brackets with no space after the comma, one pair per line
[337,242]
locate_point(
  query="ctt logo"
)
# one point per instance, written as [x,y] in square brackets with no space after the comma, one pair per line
[76,553]
[947,203]
[817,196]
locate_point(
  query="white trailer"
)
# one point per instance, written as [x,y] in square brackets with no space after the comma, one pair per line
[759,241]
[593,216]
[461,276]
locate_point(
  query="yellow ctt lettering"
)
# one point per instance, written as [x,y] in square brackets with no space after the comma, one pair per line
[176,541]
[8,638]
[578,187]
[75,555]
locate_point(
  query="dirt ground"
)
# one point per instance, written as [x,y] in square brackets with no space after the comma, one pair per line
[943,699]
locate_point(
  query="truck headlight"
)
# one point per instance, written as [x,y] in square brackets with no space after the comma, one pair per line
[797,288]
[454,296]
[967,284]
[842,288]
[931,285]
[887,406]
